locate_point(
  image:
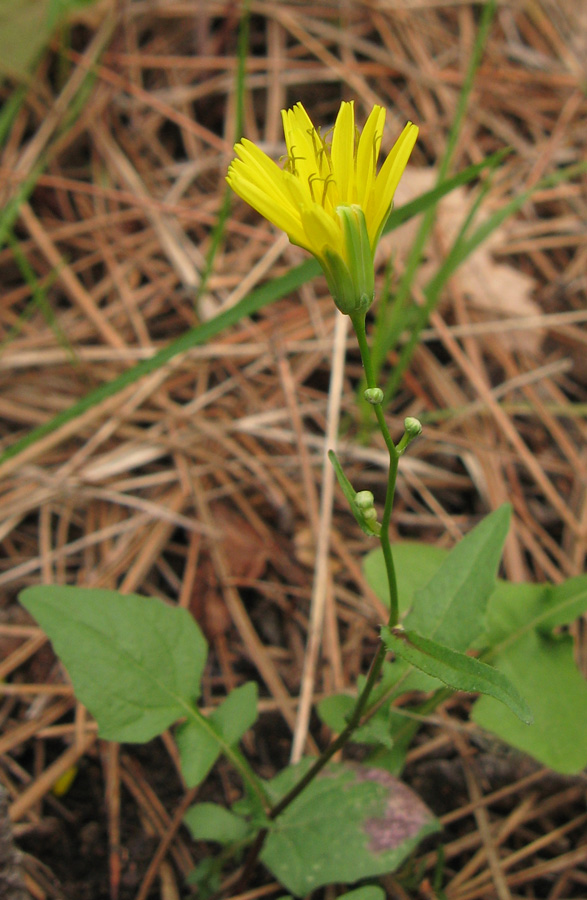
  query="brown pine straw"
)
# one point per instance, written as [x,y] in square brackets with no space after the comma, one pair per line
[201,483]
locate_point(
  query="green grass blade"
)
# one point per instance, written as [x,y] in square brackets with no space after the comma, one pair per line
[9,214]
[38,301]
[386,339]
[9,111]
[249,305]
[461,249]
[217,233]
[431,197]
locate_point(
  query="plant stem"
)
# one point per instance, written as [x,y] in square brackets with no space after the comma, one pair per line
[340,741]
[379,658]
[359,326]
[374,671]
[322,760]
[234,755]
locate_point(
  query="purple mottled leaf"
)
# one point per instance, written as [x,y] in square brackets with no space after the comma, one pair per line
[352,822]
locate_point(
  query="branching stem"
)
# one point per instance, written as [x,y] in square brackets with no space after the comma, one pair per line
[361,704]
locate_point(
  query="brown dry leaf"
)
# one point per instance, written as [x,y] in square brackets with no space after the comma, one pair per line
[492,288]
[305,547]
[216,619]
[246,557]
[246,553]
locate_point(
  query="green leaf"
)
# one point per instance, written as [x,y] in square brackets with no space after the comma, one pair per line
[351,822]
[198,748]
[450,609]
[206,876]
[369,892]
[399,677]
[135,662]
[513,607]
[211,822]
[334,711]
[375,731]
[200,740]
[26,27]
[402,731]
[563,604]
[415,565]
[509,607]
[519,619]
[542,665]
[388,731]
[366,523]
[237,713]
[424,573]
[463,673]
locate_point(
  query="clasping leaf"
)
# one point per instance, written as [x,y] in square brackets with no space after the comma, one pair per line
[361,503]
[463,673]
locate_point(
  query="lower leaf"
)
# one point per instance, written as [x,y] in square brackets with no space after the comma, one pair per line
[351,822]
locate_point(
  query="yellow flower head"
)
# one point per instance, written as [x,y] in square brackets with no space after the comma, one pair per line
[329,197]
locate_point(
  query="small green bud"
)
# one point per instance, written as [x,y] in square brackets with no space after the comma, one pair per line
[413,427]
[364,500]
[365,513]
[374,396]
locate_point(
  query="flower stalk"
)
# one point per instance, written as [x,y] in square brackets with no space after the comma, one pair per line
[330,199]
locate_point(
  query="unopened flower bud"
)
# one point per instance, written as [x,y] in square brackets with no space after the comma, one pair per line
[374,396]
[413,427]
[364,500]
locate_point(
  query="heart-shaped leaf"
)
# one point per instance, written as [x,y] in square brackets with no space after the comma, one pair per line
[351,822]
[135,662]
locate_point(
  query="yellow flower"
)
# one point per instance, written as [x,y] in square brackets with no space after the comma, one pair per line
[329,197]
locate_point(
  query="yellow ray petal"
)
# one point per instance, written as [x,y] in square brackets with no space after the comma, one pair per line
[321,231]
[368,153]
[343,152]
[388,178]
[280,215]
[258,168]
[324,186]
[301,142]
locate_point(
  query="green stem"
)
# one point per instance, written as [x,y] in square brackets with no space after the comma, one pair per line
[340,741]
[359,326]
[322,760]
[233,754]
[379,658]
[375,670]
[394,455]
